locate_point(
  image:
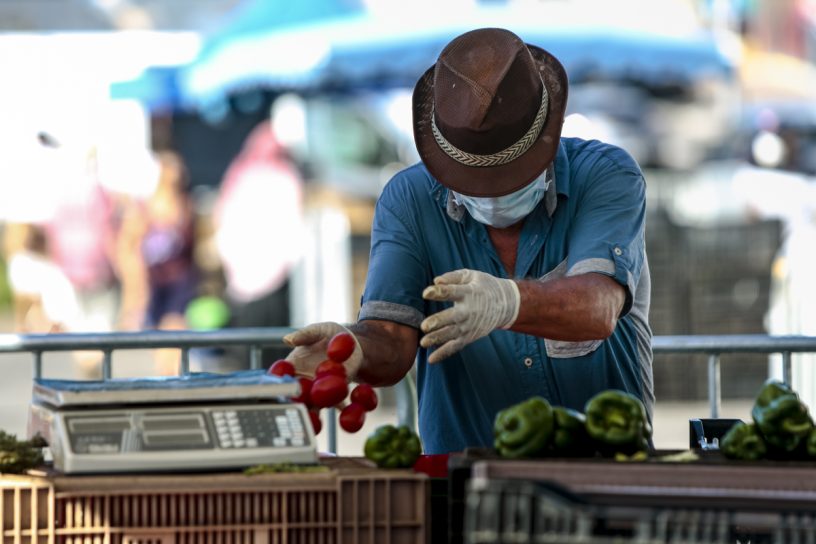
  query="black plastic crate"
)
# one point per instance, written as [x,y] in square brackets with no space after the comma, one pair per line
[598,500]
[526,512]
[459,468]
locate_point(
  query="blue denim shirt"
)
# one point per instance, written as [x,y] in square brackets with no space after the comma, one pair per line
[590,220]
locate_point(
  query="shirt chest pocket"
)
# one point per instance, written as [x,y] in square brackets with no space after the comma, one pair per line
[559,349]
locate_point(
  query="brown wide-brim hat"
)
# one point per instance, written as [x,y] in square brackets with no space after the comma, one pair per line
[483,124]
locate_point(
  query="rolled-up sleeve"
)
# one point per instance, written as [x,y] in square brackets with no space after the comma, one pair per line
[607,234]
[397,270]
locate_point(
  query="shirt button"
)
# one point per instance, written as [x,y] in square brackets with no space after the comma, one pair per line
[528,362]
[618,251]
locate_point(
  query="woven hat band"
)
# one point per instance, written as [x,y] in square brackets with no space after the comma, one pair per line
[504,156]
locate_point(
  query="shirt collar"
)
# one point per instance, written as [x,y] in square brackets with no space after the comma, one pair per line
[561,170]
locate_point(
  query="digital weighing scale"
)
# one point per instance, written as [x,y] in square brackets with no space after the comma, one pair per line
[196,422]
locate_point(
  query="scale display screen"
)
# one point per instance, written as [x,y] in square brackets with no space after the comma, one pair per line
[135,432]
[100,440]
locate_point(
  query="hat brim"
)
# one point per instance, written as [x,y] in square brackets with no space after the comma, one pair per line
[492,181]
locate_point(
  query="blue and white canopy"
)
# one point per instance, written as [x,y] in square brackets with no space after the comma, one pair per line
[353,49]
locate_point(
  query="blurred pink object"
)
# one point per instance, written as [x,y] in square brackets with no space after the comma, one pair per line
[259,217]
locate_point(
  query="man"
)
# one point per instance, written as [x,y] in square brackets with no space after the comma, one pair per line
[509,263]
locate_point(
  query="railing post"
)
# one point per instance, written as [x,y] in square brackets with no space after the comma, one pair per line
[184,369]
[332,427]
[406,402]
[255,357]
[714,384]
[787,372]
[37,364]
[107,371]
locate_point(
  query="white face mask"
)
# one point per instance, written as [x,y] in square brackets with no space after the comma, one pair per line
[503,211]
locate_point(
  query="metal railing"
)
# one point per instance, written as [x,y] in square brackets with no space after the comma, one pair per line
[254,338]
[716,345]
[258,338]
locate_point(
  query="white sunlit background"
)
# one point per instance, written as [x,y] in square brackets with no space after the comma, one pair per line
[121,115]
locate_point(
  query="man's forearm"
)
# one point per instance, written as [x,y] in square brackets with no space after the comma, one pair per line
[388,349]
[575,308]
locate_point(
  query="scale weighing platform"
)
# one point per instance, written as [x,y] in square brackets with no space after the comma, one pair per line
[187,423]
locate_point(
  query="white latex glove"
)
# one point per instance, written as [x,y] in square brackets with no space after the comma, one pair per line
[310,348]
[481,304]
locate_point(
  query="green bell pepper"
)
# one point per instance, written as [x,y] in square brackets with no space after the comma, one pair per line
[744,442]
[617,422]
[393,447]
[770,390]
[570,436]
[781,418]
[810,445]
[524,429]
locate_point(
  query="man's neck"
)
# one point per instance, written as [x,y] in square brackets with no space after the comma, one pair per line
[505,241]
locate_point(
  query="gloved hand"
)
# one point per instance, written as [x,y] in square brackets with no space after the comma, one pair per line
[310,348]
[481,304]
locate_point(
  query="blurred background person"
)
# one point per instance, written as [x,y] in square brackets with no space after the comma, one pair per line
[156,257]
[43,299]
[258,222]
[74,233]
[81,234]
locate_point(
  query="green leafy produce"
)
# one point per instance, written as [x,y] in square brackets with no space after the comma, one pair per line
[687,456]
[390,446]
[284,467]
[18,456]
[744,442]
[616,421]
[524,429]
[639,455]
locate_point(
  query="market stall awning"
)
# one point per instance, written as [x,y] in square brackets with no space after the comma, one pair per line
[370,50]
[158,87]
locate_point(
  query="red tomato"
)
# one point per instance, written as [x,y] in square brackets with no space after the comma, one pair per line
[352,417]
[305,392]
[330,367]
[317,425]
[340,347]
[281,367]
[435,466]
[328,391]
[365,396]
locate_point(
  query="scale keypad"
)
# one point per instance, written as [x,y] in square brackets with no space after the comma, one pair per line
[271,427]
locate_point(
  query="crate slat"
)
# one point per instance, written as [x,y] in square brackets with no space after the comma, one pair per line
[343,505]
